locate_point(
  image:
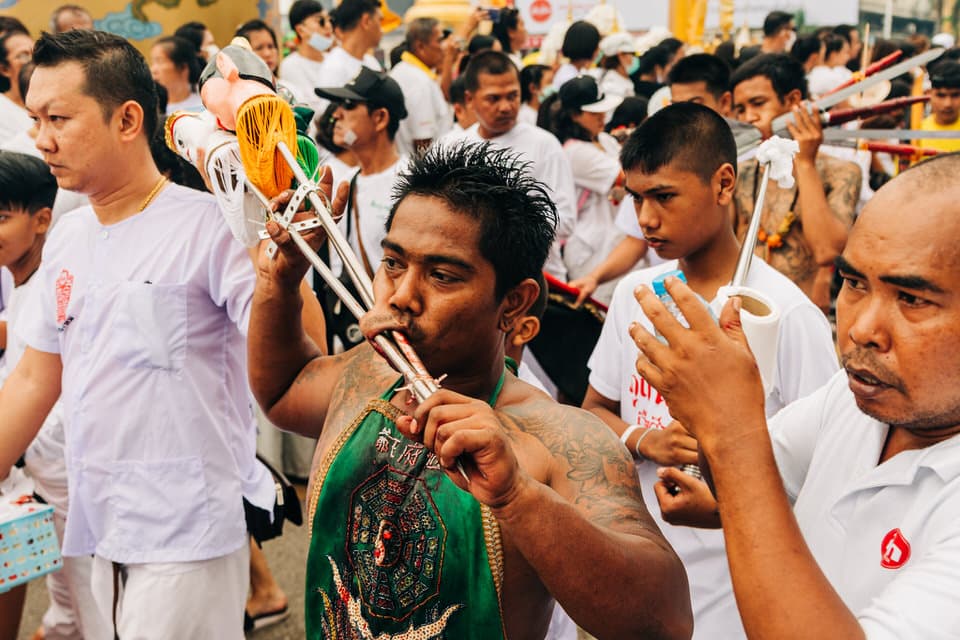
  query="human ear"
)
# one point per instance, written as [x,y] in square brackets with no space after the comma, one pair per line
[725,103]
[41,220]
[793,98]
[725,180]
[129,117]
[517,302]
[526,330]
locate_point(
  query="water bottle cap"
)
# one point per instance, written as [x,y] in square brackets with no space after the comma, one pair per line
[660,288]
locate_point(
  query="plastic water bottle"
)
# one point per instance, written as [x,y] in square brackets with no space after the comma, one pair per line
[660,289]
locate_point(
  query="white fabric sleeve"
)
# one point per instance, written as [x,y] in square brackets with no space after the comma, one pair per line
[422,121]
[38,321]
[806,357]
[921,603]
[793,434]
[605,362]
[230,273]
[592,168]
[626,219]
[554,170]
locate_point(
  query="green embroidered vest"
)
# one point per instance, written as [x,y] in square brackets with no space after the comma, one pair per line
[397,550]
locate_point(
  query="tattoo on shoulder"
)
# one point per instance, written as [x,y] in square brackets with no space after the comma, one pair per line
[598,475]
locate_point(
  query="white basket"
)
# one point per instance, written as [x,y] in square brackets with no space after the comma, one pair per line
[28,546]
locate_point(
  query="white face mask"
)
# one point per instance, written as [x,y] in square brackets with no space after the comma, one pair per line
[320,42]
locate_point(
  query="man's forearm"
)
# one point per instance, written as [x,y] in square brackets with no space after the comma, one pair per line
[25,400]
[823,231]
[621,260]
[277,347]
[572,556]
[764,544]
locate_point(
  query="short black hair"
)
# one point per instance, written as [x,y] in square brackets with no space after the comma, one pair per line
[348,13]
[420,30]
[23,79]
[516,212]
[654,57]
[775,21]
[833,43]
[251,26]
[114,70]
[479,43]
[192,32]
[631,112]
[530,75]
[301,10]
[492,63]
[784,73]
[25,183]
[505,23]
[581,40]
[805,47]
[183,54]
[702,67]
[946,75]
[688,135]
[844,31]
[458,91]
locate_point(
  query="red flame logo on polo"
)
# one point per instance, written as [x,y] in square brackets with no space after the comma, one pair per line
[64,287]
[894,550]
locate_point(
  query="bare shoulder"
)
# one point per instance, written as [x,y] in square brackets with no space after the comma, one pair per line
[587,463]
[362,375]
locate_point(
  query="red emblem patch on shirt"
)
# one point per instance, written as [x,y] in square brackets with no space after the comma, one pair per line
[894,550]
[64,289]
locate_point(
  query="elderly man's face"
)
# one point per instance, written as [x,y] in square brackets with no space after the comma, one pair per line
[898,312]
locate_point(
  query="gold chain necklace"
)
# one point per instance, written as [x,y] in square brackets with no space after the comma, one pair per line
[153,194]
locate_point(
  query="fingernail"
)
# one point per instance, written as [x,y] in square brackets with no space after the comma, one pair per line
[413,425]
[633,326]
[737,304]
[661,472]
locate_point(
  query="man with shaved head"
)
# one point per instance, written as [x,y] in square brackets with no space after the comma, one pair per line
[842,521]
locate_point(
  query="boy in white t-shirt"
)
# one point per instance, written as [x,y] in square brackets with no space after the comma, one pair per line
[681,171]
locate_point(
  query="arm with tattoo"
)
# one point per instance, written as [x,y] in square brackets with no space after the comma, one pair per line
[589,526]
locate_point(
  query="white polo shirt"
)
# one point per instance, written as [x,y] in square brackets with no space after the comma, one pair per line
[887,536]
[805,360]
[302,75]
[149,316]
[548,165]
[428,114]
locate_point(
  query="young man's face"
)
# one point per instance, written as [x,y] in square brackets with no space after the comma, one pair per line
[18,232]
[697,92]
[356,124]
[436,282]
[756,103]
[945,105]
[898,311]
[496,102]
[677,212]
[74,137]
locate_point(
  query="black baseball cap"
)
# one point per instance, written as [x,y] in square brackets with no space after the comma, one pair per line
[371,87]
[584,94]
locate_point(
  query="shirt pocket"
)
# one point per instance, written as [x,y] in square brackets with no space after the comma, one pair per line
[150,325]
[160,505]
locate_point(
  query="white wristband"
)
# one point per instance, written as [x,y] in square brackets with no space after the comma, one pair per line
[627,433]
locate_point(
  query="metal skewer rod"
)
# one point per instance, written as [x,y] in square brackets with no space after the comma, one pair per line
[750,239]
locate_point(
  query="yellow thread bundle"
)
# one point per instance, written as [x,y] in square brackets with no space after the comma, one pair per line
[262,122]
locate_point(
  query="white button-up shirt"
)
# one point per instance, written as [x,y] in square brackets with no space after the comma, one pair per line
[887,536]
[149,317]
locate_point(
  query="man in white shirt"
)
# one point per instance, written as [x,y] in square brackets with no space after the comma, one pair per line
[138,317]
[370,110]
[848,526]
[303,68]
[357,25]
[492,85]
[680,167]
[429,114]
